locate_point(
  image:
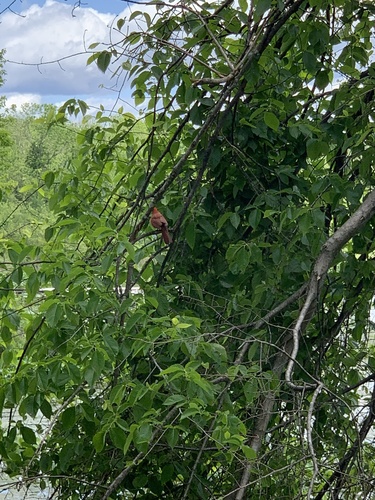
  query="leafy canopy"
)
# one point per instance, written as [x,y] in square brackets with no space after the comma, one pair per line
[223,365]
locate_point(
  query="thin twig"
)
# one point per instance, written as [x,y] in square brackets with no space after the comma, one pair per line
[52,424]
[344,463]
[309,426]
[155,435]
[21,360]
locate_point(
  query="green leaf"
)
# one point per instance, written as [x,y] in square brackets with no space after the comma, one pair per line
[190,234]
[197,379]
[135,14]
[167,473]
[139,97]
[322,79]
[271,120]
[243,5]
[140,481]
[129,438]
[142,436]
[45,462]
[235,220]
[99,440]
[6,356]
[261,6]
[318,218]
[48,233]
[98,362]
[136,317]
[25,189]
[83,106]
[255,217]
[28,435]
[175,399]
[49,179]
[371,362]
[68,418]
[173,369]
[215,156]
[215,351]
[250,390]
[238,257]
[91,376]
[316,148]
[13,255]
[249,453]
[206,226]
[32,285]
[103,60]
[223,218]
[103,232]
[92,58]
[46,409]
[118,437]
[111,344]
[172,436]
[117,394]
[309,60]
[153,301]
[130,249]
[54,313]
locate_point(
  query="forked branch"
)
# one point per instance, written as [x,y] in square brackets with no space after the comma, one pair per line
[329,251]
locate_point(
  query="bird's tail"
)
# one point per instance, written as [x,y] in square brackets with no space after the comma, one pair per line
[165,234]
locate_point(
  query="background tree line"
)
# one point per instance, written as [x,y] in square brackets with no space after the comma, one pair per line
[30,147]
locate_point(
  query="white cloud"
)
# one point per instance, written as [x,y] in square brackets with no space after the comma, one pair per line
[19,99]
[44,33]
[47,33]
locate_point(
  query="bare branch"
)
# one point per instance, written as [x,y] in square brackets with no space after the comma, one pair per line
[309,438]
[338,475]
[53,422]
[330,250]
[11,10]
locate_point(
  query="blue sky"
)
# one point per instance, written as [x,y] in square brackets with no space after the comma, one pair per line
[113,6]
[35,31]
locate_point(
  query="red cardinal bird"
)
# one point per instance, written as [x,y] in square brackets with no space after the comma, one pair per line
[160,222]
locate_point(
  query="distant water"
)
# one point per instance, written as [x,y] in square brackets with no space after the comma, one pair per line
[10,490]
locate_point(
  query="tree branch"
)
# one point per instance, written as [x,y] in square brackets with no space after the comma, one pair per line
[155,435]
[329,251]
[350,455]
[310,440]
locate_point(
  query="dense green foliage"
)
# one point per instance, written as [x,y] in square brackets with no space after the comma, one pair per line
[30,147]
[161,370]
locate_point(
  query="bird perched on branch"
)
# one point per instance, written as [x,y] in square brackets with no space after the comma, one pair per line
[158,221]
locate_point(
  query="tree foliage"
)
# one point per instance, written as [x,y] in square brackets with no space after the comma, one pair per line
[230,364]
[30,146]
